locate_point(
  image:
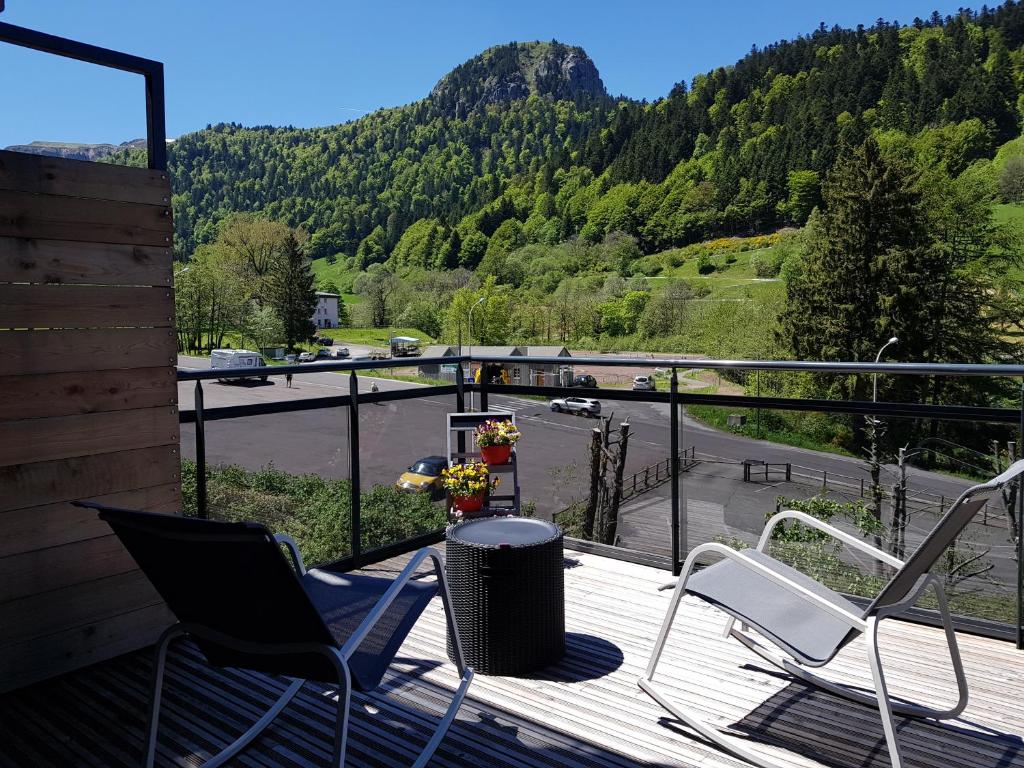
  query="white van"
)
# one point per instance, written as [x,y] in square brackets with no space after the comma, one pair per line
[236,358]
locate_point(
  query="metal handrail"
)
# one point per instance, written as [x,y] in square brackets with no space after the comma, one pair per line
[152,71]
[995,370]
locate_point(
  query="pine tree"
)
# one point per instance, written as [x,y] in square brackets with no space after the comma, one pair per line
[292,294]
[866,242]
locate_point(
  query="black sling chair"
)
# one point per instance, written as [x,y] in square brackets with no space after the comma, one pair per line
[238,598]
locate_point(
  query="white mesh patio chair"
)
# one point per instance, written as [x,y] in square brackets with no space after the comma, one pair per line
[236,595]
[810,623]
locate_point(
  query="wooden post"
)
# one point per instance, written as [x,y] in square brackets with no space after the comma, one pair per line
[595,484]
[612,518]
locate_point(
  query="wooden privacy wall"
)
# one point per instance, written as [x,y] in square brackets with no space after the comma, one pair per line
[88,406]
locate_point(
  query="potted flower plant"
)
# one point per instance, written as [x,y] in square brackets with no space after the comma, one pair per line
[496,438]
[467,484]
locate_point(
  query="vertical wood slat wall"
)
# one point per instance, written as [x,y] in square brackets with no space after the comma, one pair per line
[88,406]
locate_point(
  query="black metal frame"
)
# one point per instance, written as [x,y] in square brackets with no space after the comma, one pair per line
[152,71]
[673,397]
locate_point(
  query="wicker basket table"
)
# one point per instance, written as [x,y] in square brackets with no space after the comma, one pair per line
[508,593]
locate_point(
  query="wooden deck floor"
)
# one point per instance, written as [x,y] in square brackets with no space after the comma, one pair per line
[586,711]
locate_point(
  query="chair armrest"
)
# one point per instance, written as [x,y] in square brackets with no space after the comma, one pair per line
[388,597]
[293,550]
[736,555]
[821,525]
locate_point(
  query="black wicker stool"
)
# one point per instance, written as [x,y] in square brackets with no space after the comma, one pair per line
[508,593]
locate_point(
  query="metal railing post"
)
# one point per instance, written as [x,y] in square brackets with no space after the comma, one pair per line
[460,405]
[353,453]
[757,412]
[1020,537]
[200,453]
[673,404]
[483,389]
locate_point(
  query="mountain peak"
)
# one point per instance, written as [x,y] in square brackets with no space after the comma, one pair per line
[516,70]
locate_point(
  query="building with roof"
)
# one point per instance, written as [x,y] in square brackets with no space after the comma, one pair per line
[326,313]
[438,370]
[548,374]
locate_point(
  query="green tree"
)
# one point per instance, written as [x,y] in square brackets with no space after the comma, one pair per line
[849,295]
[378,287]
[209,299]
[492,318]
[372,248]
[256,247]
[262,326]
[804,195]
[292,293]
[1011,179]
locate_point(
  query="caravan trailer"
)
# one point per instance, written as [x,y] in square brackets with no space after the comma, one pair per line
[236,358]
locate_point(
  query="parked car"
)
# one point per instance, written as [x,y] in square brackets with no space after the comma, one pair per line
[339,352]
[378,354]
[306,357]
[324,341]
[644,384]
[584,380]
[423,476]
[585,406]
[236,358]
[323,352]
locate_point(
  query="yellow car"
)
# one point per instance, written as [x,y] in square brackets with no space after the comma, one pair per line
[424,476]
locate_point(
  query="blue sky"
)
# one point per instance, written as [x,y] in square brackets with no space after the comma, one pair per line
[318,62]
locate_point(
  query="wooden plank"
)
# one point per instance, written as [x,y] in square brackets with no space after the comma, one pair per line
[63,437]
[31,352]
[49,482]
[95,221]
[79,605]
[85,306]
[73,648]
[23,172]
[53,525]
[63,394]
[68,262]
[43,570]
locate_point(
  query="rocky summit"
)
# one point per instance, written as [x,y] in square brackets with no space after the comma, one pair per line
[515,71]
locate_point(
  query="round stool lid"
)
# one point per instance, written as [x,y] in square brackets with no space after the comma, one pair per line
[508,531]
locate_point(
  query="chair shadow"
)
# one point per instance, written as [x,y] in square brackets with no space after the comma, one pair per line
[839,733]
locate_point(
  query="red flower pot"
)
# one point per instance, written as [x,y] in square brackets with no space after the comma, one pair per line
[468,503]
[495,454]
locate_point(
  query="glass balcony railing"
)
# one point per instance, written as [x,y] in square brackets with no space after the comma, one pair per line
[708,455]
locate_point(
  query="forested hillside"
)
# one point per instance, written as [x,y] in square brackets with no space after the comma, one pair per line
[715,156]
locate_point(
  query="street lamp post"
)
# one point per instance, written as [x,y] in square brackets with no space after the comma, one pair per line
[475,305]
[874,376]
[874,465]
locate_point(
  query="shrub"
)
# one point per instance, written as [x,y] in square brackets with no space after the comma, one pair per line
[315,511]
[705,266]
[767,264]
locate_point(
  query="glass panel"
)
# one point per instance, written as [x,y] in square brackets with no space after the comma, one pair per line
[402,450]
[289,471]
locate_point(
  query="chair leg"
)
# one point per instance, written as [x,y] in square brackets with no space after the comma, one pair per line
[954,653]
[466,673]
[341,721]
[152,728]
[256,728]
[882,693]
[159,664]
